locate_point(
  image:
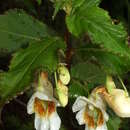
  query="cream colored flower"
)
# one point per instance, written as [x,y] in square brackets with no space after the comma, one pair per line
[91,112]
[117,99]
[119,102]
[43,104]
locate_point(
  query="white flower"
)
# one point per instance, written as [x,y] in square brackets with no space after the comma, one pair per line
[91,112]
[43,104]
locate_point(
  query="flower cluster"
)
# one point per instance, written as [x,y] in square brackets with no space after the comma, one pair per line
[90,111]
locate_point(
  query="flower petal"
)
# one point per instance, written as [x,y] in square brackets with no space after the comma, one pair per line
[80,116]
[45,125]
[55,121]
[105,115]
[88,128]
[97,99]
[37,122]
[30,105]
[79,103]
[102,127]
[45,97]
[45,85]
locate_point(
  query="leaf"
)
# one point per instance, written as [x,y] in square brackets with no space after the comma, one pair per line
[113,64]
[67,5]
[39,2]
[97,23]
[18,28]
[77,89]
[58,5]
[113,123]
[89,72]
[24,62]
[110,63]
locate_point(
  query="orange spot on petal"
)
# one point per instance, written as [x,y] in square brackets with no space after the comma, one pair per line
[100,118]
[51,108]
[38,107]
[89,120]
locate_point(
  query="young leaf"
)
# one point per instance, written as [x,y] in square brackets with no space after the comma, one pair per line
[18,28]
[89,72]
[67,5]
[19,76]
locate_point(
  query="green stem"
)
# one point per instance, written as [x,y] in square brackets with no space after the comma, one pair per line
[55,79]
[123,85]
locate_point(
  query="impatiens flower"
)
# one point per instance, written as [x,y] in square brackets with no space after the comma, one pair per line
[43,104]
[118,101]
[91,112]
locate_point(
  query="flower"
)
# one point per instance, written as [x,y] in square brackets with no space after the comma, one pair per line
[91,112]
[118,101]
[43,104]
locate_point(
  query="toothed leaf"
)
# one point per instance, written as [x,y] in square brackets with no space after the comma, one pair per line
[39,54]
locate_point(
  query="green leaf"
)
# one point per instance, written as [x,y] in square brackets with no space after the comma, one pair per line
[68,5]
[77,89]
[99,26]
[113,123]
[39,2]
[110,63]
[18,28]
[89,72]
[24,62]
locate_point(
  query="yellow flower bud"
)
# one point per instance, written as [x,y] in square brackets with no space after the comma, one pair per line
[64,75]
[62,92]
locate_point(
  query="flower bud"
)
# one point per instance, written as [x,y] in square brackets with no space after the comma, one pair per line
[64,75]
[62,92]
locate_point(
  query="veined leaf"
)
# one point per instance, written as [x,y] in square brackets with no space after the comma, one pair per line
[110,63]
[68,5]
[113,123]
[19,76]
[18,28]
[97,23]
[89,72]
[77,89]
